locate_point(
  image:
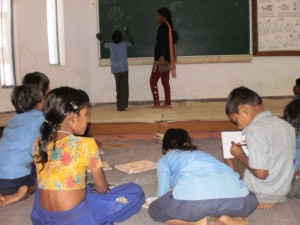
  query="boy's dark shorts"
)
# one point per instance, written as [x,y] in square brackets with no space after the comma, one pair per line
[11,186]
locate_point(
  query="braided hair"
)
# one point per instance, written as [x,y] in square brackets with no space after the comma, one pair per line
[59,103]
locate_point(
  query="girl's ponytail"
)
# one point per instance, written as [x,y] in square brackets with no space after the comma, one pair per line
[48,135]
[59,103]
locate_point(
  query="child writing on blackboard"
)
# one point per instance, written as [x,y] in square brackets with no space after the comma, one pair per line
[119,64]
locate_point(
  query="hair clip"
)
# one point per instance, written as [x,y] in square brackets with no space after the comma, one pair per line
[73,105]
[46,121]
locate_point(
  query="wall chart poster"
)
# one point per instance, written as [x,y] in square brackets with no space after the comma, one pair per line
[276,27]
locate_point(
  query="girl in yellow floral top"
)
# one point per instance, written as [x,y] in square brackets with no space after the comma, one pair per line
[62,159]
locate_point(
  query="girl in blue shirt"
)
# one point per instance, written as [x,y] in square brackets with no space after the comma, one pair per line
[193,186]
[16,175]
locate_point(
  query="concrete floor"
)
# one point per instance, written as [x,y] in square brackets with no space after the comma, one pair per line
[144,147]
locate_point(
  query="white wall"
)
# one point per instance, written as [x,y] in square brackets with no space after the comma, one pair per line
[269,76]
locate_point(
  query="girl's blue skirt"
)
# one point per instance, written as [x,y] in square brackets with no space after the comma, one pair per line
[117,205]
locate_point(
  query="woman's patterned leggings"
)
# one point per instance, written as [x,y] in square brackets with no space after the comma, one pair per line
[165,77]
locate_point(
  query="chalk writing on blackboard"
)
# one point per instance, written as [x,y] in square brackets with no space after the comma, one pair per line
[116,14]
[278,23]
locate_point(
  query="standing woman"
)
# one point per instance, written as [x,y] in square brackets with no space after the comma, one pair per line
[164,57]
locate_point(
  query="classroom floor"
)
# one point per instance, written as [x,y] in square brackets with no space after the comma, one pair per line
[125,148]
[128,136]
[194,116]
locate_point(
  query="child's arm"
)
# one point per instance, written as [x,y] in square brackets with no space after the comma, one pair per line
[164,183]
[100,180]
[126,30]
[100,38]
[238,152]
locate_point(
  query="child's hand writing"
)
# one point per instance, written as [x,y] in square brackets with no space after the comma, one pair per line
[236,150]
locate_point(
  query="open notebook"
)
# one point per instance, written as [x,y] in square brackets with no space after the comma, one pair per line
[235,136]
[136,167]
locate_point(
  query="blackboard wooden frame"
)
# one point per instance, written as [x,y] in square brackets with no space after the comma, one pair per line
[187,60]
[256,51]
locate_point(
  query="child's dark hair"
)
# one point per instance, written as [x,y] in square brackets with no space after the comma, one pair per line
[241,96]
[37,79]
[176,138]
[117,36]
[59,103]
[292,113]
[298,82]
[165,12]
[25,97]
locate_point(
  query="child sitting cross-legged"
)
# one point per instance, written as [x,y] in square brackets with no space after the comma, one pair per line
[62,159]
[271,145]
[195,188]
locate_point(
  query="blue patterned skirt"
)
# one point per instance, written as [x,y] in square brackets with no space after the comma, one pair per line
[117,205]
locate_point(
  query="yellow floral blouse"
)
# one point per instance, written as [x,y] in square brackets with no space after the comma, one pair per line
[67,163]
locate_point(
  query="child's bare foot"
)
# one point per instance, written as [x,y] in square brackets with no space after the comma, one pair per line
[227,220]
[266,205]
[2,199]
[203,221]
[19,195]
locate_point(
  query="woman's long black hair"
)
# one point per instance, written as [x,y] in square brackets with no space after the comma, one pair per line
[59,103]
[165,12]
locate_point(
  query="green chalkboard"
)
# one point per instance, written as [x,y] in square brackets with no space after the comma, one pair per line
[205,27]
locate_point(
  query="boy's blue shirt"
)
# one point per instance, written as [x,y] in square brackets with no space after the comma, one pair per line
[118,56]
[16,144]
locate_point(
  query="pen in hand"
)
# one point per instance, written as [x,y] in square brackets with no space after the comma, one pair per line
[241,144]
